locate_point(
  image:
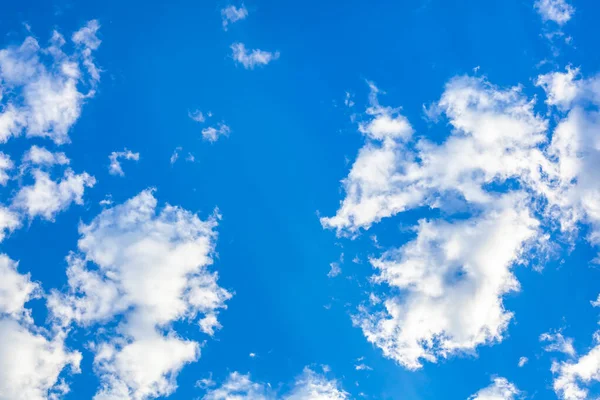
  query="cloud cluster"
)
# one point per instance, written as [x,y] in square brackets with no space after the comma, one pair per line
[148,269]
[500,164]
[308,386]
[114,167]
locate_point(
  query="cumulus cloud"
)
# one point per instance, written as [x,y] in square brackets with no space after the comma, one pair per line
[452,278]
[500,165]
[115,165]
[31,359]
[495,138]
[500,389]
[40,156]
[559,11]
[231,14]
[152,269]
[252,58]
[45,99]
[46,197]
[308,386]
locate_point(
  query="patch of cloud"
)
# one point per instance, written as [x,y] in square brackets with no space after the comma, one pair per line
[500,165]
[115,165]
[197,116]
[232,14]
[334,270]
[522,362]
[152,269]
[46,197]
[558,11]
[45,99]
[308,386]
[42,157]
[212,134]
[31,359]
[6,165]
[251,59]
[500,389]
[558,343]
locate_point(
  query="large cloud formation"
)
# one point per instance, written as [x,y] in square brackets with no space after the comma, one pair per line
[501,165]
[146,269]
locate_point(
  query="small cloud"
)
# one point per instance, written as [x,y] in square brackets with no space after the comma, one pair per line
[197,115]
[212,134]
[190,158]
[175,155]
[252,355]
[252,58]
[335,270]
[362,367]
[523,361]
[115,166]
[231,14]
[559,343]
[107,201]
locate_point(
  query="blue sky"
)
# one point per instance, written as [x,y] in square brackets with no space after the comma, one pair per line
[284,200]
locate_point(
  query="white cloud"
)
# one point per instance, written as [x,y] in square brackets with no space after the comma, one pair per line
[39,99]
[500,389]
[231,14]
[452,278]
[197,116]
[499,164]
[558,11]
[9,221]
[571,375]
[252,58]
[494,138]
[115,166]
[45,198]
[151,268]
[334,270]
[41,156]
[213,134]
[308,386]
[557,342]
[30,363]
[31,359]
[15,289]
[6,164]
[522,361]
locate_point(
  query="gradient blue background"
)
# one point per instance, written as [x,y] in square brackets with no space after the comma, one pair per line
[281,166]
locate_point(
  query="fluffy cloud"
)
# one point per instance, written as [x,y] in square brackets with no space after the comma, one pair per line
[31,359]
[115,166]
[40,99]
[6,164]
[500,165]
[500,389]
[558,11]
[151,269]
[452,278]
[231,14]
[308,386]
[46,197]
[40,156]
[252,58]
[495,137]
[30,363]
[571,375]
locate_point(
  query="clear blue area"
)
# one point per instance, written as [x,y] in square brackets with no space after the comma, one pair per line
[282,163]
